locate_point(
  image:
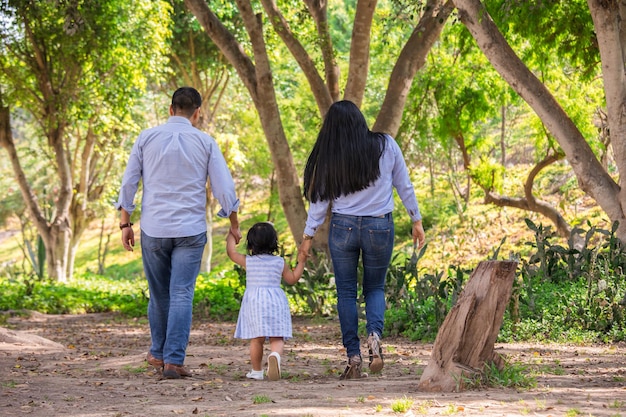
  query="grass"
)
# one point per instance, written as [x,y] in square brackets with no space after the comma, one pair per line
[135,369]
[401,405]
[261,399]
[8,384]
[512,375]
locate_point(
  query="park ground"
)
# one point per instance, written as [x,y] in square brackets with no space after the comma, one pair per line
[93,365]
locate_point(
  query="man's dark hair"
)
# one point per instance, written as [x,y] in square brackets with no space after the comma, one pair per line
[185,101]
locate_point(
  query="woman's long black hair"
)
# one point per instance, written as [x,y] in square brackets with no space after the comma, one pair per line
[345,157]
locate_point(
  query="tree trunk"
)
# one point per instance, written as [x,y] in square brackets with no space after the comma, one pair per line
[592,178]
[257,77]
[465,342]
[56,236]
[411,59]
[207,254]
[57,250]
[360,52]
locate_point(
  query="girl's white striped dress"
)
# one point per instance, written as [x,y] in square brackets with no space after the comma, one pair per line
[264,307]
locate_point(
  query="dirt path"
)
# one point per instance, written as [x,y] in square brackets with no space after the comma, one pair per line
[97,368]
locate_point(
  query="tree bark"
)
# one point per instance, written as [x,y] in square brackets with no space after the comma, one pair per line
[609,21]
[465,341]
[360,51]
[324,94]
[254,72]
[592,177]
[257,77]
[56,235]
[411,59]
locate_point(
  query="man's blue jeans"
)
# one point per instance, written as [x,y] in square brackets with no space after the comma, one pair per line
[171,266]
[349,238]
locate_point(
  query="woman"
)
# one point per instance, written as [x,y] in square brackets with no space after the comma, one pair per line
[354,170]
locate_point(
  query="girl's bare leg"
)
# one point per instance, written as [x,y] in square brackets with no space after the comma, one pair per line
[273,361]
[277,344]
[256,353]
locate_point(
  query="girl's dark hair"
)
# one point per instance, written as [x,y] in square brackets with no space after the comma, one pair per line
[345,157]
[262,239]
[186,100]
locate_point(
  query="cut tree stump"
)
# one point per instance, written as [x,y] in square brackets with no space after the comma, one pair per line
[465,341]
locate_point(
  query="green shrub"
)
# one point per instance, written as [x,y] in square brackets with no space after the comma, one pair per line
[218,295]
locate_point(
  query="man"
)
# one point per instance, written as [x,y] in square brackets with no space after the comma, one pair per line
[174,161]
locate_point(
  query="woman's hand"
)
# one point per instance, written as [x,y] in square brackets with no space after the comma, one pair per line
[305,247]
[418,233]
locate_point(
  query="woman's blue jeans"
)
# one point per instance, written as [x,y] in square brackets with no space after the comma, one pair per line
[351,237]
[171,266]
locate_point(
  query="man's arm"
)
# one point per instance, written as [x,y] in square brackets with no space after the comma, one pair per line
[128,235]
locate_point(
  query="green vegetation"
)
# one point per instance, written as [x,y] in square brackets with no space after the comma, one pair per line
[563,293]
[464,134]
[402,405]
[510,376]
[261,399]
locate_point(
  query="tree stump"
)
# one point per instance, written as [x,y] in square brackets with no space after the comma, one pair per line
[465,341]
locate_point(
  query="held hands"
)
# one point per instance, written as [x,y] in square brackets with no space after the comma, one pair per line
[302,256]
[418,233]
[236,233]
[304,248]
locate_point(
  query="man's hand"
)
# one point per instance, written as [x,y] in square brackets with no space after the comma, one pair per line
[128,238]
[234,226]
[236,232]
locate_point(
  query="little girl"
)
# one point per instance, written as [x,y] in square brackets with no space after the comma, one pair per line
[264,311]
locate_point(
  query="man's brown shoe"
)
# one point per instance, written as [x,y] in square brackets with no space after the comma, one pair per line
[172,371]
[157,363]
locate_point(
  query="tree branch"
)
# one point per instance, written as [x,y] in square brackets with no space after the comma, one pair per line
[318,10]
[226,42]
[360,51]
[411,59]
[529,202]
[320,91]
[592,178]
[6,141]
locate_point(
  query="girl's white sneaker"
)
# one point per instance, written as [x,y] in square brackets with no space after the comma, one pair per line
[255,374]
[273,366]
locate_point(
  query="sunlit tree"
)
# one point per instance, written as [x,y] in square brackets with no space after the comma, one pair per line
[74,71]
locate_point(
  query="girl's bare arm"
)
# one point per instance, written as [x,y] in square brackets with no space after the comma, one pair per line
[292,276]
[231,250]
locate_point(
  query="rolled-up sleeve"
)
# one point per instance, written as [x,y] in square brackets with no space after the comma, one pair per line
[130,181]
[222,183]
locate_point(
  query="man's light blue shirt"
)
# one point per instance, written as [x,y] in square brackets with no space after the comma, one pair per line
[174,161]
[375,200]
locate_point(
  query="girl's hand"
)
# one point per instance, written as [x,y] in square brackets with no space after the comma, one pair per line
[305,247]
[302,256]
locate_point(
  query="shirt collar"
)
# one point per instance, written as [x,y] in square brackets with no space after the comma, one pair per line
[179,119]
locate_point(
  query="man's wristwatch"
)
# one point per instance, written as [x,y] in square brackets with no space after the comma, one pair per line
[306,237]
[123,225]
